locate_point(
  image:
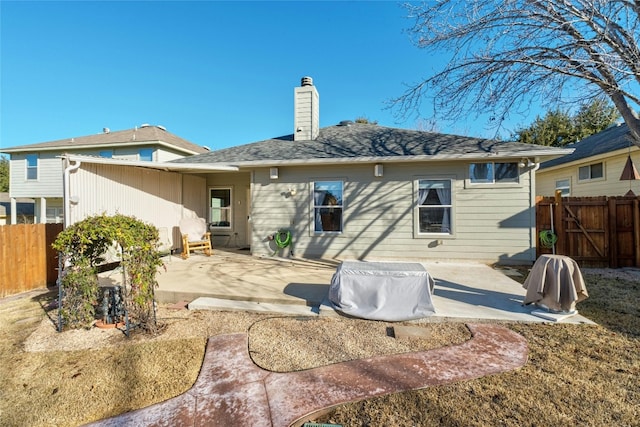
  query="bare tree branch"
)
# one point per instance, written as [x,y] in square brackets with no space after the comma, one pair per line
[508,55]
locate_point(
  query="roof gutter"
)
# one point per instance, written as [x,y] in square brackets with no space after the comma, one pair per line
[589,159]
[165,166]
[532,154]
[74,146]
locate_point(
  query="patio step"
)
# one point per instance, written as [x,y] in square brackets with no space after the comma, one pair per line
[208,303]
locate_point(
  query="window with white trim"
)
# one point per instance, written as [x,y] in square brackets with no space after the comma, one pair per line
[32,166]
[493,172]
[220,208]
[54,214]
[107,154]
[564,185]
[145,154]
[328,206]
[434,206]
[593,171]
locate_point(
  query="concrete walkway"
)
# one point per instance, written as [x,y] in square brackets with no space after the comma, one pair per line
[232,391]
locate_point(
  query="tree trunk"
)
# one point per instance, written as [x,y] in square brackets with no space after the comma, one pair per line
[630,117]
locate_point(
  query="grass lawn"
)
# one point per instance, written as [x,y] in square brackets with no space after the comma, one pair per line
[576,374]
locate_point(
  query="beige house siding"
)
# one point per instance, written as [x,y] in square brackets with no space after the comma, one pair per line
[160,154]
[609,185]
[238,234]
[490,222]
[49,182]
[165,155]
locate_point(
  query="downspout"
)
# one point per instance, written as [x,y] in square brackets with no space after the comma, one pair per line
[532,178]
[67,204]
[66,207]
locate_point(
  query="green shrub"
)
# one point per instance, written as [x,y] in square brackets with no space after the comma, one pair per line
[82,246]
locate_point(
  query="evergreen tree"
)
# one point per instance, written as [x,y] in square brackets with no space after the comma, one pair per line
[558,128]
[593,118]
[554,129]
[4,175]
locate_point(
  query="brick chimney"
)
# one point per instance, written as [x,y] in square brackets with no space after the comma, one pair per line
[306,123]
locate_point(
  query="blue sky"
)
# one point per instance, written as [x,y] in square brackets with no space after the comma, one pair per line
[216,73]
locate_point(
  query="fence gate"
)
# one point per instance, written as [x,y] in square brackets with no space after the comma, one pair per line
[594,231]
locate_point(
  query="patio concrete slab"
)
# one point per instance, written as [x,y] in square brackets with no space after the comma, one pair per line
[236,275]
[235,280]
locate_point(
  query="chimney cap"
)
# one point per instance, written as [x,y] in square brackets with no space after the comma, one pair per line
[306,81]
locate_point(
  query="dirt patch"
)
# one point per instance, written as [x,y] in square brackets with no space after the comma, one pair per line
[175,325]
[312,342]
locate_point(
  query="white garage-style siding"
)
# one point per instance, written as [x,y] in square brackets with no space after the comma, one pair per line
[152,196]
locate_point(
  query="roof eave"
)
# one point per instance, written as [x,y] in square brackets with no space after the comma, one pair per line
[538,155]
[73,146]
[165,166]
[587,159]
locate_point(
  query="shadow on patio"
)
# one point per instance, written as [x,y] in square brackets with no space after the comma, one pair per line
[236,280]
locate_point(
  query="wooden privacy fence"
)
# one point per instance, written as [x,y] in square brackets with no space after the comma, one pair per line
[27,260]
[594,231]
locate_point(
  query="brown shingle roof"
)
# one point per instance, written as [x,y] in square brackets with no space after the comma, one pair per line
[137,136]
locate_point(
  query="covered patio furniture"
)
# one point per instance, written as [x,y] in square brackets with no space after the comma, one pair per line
[195,236]
[390,291]
[555,283]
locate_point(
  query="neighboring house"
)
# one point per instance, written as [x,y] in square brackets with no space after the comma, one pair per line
[36,170]
[24,210]
[343,191]
[594,168]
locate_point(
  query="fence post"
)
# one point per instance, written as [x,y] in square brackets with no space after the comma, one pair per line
[613,232]
[538,221]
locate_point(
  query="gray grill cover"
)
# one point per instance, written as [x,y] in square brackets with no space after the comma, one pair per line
[391,291]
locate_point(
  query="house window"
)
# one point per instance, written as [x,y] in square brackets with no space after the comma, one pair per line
[564,185]
[220,207]
[107,154]
[54,215]
[146,154]
[434,206]
[32,166]
[593,171]
[327,206]
[491,173]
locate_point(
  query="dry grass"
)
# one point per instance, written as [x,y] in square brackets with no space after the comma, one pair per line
[576,374]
